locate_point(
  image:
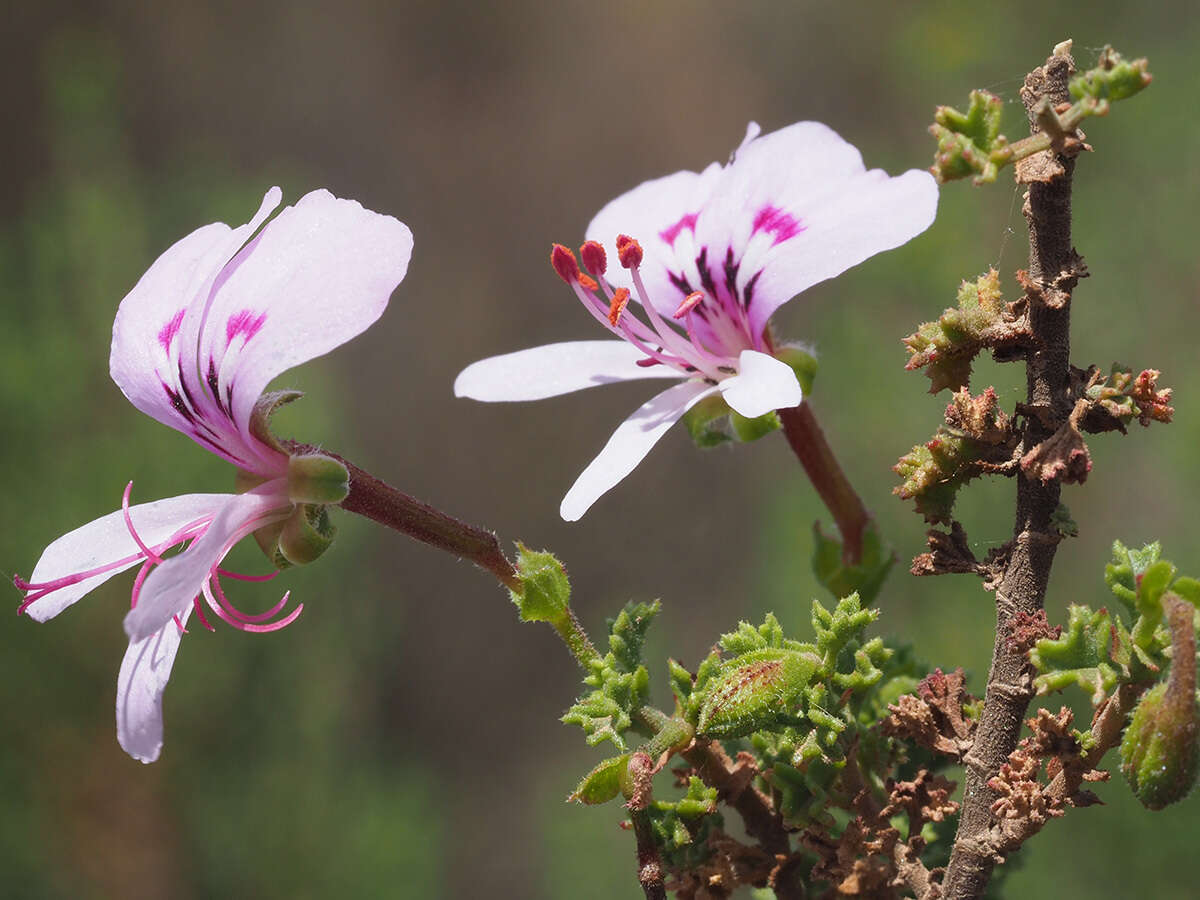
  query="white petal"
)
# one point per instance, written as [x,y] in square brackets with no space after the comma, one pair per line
[762,384]
[140,685]
[318,274]
[867,215]
[555,369]
[169,589]
[660,215]
[107,540]
[630,443]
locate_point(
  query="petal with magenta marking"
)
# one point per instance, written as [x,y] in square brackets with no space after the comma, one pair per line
[555,369]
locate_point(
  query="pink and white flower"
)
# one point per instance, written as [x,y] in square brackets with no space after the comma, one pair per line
[195,343]
[709,256]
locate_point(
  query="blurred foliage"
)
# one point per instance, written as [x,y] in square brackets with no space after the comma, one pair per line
[291,766]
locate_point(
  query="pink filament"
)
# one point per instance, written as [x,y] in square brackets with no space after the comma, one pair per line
[151,557]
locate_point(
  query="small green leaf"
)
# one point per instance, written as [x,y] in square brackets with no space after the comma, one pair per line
[603,783]
[865,577]
[546,591]
[1080,656]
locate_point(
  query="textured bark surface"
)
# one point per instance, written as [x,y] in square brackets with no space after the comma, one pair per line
[1053,270]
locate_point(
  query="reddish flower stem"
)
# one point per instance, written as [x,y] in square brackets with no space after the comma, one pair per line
[380,502]
[807,441]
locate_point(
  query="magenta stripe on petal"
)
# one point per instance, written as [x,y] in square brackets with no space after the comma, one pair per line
[778,222]
[671,233]
[168,332]
[243,322]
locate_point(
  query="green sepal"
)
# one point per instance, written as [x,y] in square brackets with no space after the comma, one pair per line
[708,422]
[264,409]
[267,539]
[317,478]
[865,577]
[546,591]
[1160,751]
[306,534]
[747,430]
[802,362]
[603,783]
[755,691]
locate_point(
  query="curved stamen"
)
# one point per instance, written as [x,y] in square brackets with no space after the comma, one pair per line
[239,576]
[246,617]
[146,551]
[200,613]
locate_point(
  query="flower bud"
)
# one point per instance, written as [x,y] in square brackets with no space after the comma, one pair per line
[753,691]
[1160,752]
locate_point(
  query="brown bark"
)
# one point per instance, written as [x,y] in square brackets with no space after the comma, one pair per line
[1021,590]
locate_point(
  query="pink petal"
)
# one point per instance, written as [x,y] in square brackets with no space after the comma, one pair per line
[171,587]
[107,542]
[319,273]
[153,359]
[661,216]
[140,685]
[762,384]
[555,369]
[630,443]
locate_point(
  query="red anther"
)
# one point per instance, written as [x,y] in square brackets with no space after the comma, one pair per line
[564,263]
[588,283]
[629,251]
[594,258]
[690,302]
[619,301]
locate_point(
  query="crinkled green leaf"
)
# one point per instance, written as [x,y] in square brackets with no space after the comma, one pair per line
[1082,655]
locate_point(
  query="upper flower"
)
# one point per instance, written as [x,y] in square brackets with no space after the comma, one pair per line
[216,318]
[709,257]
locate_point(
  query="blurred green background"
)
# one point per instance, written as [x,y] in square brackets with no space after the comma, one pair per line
[401,739]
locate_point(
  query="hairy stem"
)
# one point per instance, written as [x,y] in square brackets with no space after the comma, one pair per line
[382,503]
[1021,589]
[650,870]
[807,441]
